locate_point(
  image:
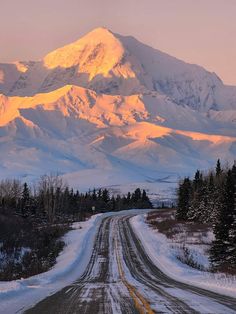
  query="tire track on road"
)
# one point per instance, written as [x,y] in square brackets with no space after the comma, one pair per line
[136,265]
[121,278]
[160,278]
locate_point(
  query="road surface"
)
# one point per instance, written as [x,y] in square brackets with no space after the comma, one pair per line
[121,278]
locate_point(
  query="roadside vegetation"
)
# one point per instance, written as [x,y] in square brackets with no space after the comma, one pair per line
[33,220]
[210,199]
[189,241]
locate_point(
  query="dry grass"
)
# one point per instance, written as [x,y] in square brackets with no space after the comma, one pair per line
[165,222]
[183,235]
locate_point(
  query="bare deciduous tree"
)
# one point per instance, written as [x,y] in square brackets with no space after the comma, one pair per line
[48,187]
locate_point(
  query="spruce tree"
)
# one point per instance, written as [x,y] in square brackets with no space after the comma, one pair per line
[105,196]
[220,247]
[195,206]
[213,198]
[128,198]
[218,168]
[184,197]
[232,231]
[146,203]
[25,200]
[113,203]
[197,182]
[203,206]
[94,195]
[137,195]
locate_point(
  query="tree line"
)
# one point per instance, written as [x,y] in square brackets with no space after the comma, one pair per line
[34,218]
[211,198]
[51,198]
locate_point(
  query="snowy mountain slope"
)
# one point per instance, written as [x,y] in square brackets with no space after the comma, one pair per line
[113,64]
[9,74]
[26,150]
[75,130]
[111,107]
[110,110]
[186,84]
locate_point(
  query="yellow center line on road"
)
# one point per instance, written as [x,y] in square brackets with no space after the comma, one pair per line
[140,302]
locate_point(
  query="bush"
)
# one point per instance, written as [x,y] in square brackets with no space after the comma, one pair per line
[186,257]
[43,246]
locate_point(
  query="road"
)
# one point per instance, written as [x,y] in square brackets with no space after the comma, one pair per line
[121,278]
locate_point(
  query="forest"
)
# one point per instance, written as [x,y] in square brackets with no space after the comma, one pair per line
[33,219]
[210,198]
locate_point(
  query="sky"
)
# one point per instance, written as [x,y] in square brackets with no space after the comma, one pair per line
[196,31]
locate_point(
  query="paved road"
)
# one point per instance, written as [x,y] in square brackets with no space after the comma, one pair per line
[121,278]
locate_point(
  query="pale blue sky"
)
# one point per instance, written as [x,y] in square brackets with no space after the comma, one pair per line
[197,31]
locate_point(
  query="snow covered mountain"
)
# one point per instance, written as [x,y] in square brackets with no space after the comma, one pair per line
[113,64]
[109,110]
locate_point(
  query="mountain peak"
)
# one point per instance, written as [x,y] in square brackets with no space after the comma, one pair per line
[100,30]
[113,64]
[108,101]
[97,51]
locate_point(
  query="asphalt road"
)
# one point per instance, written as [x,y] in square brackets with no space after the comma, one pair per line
[121,278]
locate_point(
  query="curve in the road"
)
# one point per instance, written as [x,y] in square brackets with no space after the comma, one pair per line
[107,286]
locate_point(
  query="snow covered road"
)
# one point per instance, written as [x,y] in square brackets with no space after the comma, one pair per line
[121,278]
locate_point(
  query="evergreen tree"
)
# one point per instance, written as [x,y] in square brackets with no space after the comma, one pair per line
[218,168]
[118,202]
[128,199]
[195,206]
[25,200]
[99,194]
[58,199]
[144,196]
[197,182]
[232,231]
[113,203]
[203,205]
[184,197]
[220,247]
[105,196]
[94,195]
[213,199]
[66,200]
[137,195]
[198,209]
[146,203]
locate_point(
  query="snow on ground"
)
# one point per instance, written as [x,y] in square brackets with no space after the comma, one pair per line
[193,249]
[18,295]
[164,256]
[160,187]
[153,118]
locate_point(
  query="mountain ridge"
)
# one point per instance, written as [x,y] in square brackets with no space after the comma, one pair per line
[88,64]
[110,105]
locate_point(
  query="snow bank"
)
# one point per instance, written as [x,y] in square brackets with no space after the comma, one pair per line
[17,295]
[164,257]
